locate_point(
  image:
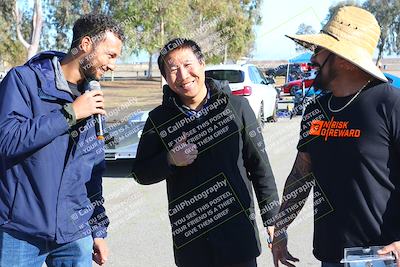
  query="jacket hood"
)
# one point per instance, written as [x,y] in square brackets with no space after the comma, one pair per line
[38,59]
[220,88]
[43,67]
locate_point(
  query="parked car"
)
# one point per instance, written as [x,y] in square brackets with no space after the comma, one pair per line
[292,86]
[271,81]
[281,70]
[138,120]
[123,138]
[248,81]
[125,152]
[394,80]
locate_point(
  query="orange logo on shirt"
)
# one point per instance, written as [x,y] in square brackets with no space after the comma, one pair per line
[333,129]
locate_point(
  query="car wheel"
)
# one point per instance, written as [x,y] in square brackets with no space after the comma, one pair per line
[294,89]
[260,116]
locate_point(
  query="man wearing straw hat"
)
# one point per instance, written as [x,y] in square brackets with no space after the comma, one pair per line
[349,148]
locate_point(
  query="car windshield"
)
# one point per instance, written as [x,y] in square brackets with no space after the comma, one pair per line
[232,76]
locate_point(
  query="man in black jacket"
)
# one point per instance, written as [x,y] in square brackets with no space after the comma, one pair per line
[208,146]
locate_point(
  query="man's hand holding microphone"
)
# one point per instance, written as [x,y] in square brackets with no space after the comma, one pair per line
[91,103]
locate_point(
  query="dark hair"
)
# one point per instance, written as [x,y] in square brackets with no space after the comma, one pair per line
[95,26]
[178,43]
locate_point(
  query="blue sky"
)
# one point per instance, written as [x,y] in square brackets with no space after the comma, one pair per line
[283,17]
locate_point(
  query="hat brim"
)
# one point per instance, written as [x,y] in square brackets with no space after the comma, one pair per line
[342,48]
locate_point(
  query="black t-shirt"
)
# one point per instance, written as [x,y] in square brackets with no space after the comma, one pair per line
[355,157]
[76,89]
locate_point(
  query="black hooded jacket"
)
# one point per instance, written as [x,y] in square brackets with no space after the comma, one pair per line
[210,201]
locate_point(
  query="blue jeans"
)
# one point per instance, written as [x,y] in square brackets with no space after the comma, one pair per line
[23,251]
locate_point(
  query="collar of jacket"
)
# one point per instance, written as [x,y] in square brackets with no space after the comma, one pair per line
[43,67]
[217,89]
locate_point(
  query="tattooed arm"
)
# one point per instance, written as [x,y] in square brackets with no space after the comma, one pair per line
[297,188]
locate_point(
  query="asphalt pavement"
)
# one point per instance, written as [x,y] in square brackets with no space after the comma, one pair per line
[140,233]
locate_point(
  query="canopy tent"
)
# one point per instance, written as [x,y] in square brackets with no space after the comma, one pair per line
[302,58]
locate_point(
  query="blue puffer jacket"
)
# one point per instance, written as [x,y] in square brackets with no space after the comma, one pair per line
[50,174]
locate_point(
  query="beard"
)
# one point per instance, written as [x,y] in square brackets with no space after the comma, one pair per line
[88,67]
[319,83]
[325,76]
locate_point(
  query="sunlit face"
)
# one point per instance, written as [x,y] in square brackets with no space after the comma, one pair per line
[185,75]
[102,57]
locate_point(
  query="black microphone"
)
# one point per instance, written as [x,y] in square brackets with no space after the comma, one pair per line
[95,85]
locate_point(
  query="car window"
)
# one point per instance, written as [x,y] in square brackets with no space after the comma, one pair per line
[252,76]
[232,76]
[258,79]
[263,79]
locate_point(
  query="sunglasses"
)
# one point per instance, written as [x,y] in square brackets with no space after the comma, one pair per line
[316,50]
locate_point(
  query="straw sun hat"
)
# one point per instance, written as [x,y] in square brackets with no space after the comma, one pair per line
[353,34]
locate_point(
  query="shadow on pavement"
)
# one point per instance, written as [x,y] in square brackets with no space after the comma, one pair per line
[119,168]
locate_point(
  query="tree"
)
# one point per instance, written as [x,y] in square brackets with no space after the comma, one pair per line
[62,15]
[221,28]
[36,24]
[304,29]
[11,51]
[387,13]
[150,23]
[204,27]
[237,27]
[50,19]
[333,8]
[233,33]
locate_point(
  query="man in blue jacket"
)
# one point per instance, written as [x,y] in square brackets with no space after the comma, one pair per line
[51,163]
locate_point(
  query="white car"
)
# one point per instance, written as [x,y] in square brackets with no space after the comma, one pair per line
[248,81]
[124,138]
